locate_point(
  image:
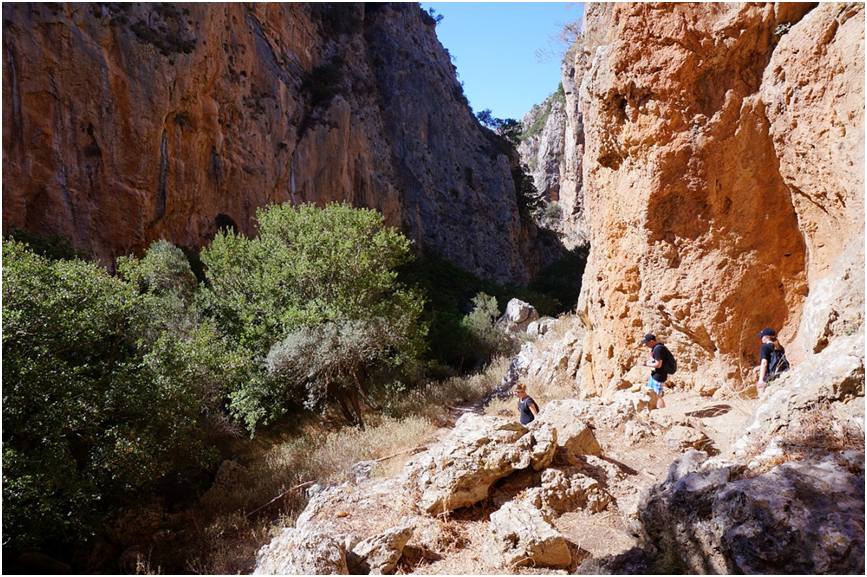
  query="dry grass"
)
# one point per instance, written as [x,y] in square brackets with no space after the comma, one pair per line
[818,430]
[433,399]
[221,533]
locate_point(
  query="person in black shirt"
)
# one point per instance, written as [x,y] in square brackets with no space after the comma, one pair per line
[773,357]
[526,405]
[658,374]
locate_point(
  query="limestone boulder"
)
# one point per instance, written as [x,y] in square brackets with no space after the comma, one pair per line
[680,438]
[479,451]
[572,433]
[563,491]
[302,552]
[522,535]
[379,554]
[802,517]
[517,317]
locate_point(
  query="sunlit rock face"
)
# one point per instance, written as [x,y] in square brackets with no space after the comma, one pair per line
[707,220]
[813,91]
[123,124]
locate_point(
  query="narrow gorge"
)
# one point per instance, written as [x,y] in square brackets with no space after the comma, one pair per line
[708,158]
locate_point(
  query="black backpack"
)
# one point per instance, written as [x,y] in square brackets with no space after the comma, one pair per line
[669,364]
[779,364]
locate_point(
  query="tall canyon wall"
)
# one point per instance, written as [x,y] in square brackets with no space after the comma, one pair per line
[721,154]
[126,123]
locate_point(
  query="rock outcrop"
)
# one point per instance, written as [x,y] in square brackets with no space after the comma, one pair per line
[479,452]
[522,535]
[799,518]
[518,317]
[299,552]
[124,124]
[723,162]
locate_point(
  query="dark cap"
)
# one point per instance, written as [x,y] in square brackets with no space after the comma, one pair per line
[647,338]
[769,332]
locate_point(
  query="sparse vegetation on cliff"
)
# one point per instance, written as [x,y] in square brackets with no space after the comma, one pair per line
[541,112]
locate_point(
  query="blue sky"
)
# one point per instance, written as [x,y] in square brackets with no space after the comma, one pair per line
[495,44]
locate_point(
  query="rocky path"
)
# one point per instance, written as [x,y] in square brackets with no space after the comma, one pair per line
[489,496]
[642,455]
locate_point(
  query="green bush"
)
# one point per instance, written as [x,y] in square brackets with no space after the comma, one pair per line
[54,246]
[449,292]
[97,401]
[316,282]
[481,323]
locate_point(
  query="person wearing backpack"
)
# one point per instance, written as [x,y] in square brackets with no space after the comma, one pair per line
[773,357]
[663,364]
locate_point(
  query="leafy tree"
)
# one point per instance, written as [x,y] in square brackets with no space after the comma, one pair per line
[525,189]
[319,283]
[97,402]
[178,343]
[508,128]
[481,323]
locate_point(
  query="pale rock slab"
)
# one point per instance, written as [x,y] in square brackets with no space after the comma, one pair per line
[522,535]
[479,451]
[302,552]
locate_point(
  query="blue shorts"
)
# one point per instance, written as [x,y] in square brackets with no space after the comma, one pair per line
[655,386]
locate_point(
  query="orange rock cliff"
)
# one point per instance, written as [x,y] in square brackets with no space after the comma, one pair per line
[127,123]
[723,175]
[715,152]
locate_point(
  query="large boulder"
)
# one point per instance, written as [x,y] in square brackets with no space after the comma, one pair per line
[479,451]
[517,317]
[523,535]
[561,492]
[565,416]
[802,517]
[302,552]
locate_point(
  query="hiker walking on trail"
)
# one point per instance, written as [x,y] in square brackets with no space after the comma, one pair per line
[526,405]
[660,364]
[773,357]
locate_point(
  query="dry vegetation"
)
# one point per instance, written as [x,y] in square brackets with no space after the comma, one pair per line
[221,533]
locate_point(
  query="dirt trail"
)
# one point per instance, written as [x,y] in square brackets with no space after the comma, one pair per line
[645,462]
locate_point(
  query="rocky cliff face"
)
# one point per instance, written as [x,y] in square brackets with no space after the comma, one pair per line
[544,151]
[723,175]
[126,123]
[542,146]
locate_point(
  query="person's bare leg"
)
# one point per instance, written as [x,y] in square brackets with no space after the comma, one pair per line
[660,404]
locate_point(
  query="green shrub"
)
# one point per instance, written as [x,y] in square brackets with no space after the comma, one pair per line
[449,291]
[318,283]
[481,323]
[97,402]
[54,246]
